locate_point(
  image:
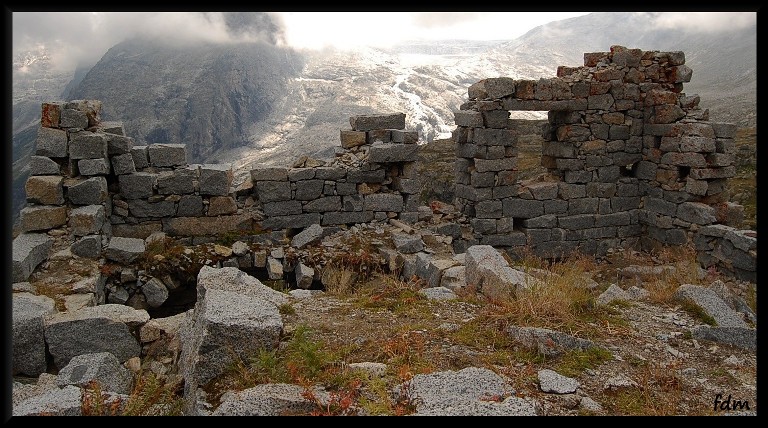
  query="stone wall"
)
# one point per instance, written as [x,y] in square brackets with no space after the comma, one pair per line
[88,181]
[631,159]
[373,177]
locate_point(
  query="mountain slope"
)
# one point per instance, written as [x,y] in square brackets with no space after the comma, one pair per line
[204,96]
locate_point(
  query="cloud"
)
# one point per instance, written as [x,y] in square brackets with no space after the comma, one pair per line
[444,19]
[73,38]
[705,22]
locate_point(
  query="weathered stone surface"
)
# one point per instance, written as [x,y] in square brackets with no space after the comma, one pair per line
[462,392]
[124,250]
[45,190]
[155,292]
[190,206]
[378,121]
[454,278]
[53,402]
[88,145]
[137,185]
[164,155]
[140,157]
[740,337]
[522,208]
[123,164]
[393,152]
[29,250]
[117,142]
[325,204]
[88,192]
[88,167]
[177,182]
[547,342]
[101,367]
[27,319]
[711,304]
[551,381]
[87,247]
[304,275]
[42,217]
[383,202]
[273,191]
[215,179]
[51,142]
[232,319]
[291,221]
[612,294]
[438,293]
[270,399]
[487,270]
[201,226]
[141,208]
[86,220]
[269,173]
[88,331]
[274,268]
[43,165]
[307,236]
[407,244]
[222,205]
[696,212]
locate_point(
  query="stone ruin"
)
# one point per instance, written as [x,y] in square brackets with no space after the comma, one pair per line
[632,161]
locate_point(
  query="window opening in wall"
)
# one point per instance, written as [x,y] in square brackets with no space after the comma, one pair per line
[530,127]
[683,171]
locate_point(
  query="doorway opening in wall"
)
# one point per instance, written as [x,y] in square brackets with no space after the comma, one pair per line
[530,127]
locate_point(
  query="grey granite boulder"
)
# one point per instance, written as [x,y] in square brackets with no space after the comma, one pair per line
[88,192]
[54,402]
[551,381]
[103,328]
[235,316]
[155,292]
[463,392]
[740,337]
[29,249]
[487,270]
[102,367]
[407,244]
[307,236]
[711,304]
[270,399]
[438,293]
[28,340]
[124,250]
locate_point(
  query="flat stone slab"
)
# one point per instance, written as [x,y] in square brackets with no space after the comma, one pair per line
[740,337]
[307,236]
[464,392]
[551,381]
[54,402]
[271,399]
[548,342]
[90,330]
[407,244]
[102,367]
[377,121]
[29,250]
[438,293]
[124,250]
[711,304]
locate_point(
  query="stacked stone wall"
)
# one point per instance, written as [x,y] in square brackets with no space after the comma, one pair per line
[373,177]
[631,159]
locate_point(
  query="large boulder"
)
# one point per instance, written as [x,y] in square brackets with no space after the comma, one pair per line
[103,328]
[271,399]
[490,273]
[28,340]
[55,402]
[235,316]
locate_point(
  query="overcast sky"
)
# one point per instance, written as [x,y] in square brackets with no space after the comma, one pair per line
[83,37]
